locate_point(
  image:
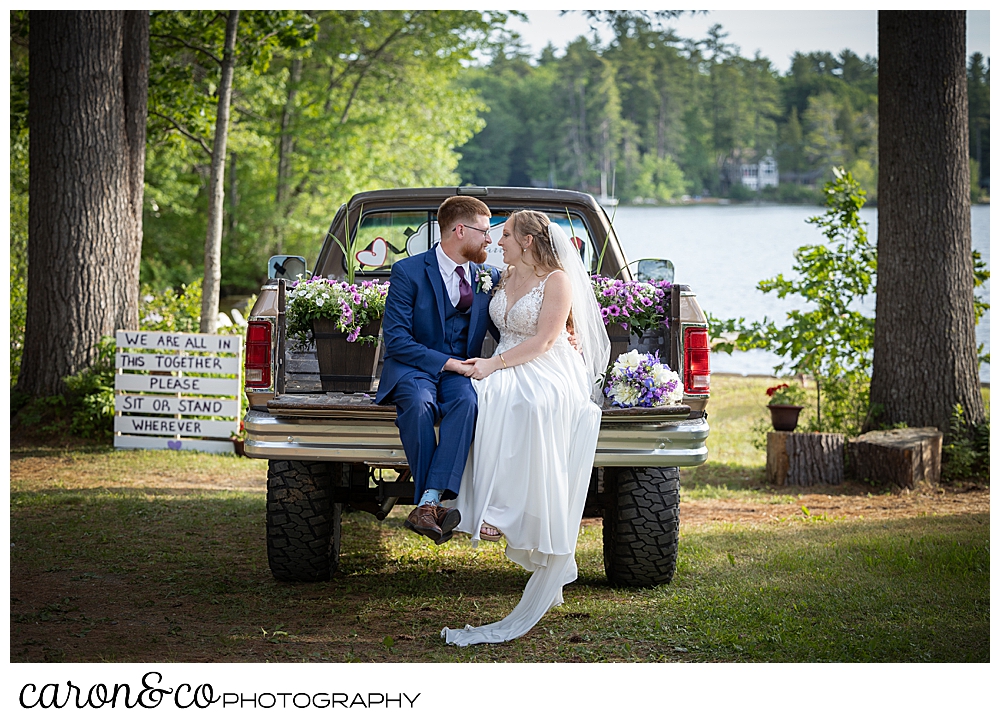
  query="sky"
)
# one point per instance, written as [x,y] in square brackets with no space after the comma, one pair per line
[777,34]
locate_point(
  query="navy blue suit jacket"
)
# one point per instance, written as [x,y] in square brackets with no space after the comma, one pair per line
[413,331]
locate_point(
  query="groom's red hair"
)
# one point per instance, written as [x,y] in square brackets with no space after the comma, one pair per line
[460,209]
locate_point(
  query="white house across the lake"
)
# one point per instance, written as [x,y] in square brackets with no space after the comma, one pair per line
[762,174]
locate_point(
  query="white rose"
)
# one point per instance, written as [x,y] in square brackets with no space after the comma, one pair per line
[628,360]
[662,375]
[624,394]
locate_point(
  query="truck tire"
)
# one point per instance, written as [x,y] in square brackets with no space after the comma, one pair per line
[303,522]
[642,526]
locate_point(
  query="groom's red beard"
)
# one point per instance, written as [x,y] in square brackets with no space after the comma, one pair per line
[474,251]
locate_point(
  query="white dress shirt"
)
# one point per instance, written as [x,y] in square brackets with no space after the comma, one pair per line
[448,275]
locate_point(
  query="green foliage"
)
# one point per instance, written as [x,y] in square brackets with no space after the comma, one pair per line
[966,451]
[786,394]
[980,276]
[829,340]
[169,310]
[18,187]
[660,179]
[90,396]
[18,248]
[978,74]
[662,116]
[325,104]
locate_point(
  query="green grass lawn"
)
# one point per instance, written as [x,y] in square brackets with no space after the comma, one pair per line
[156,556]
[127,571]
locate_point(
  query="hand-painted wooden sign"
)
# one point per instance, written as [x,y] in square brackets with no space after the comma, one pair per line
[177,391]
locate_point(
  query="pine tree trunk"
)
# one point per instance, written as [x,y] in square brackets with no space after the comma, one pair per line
[87,120]
[925,358]
[216,185]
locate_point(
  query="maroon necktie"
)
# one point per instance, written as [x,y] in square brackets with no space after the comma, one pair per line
[464,291]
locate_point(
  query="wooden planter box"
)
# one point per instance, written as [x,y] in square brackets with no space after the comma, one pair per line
[619,339]
[346,366]
[805,459]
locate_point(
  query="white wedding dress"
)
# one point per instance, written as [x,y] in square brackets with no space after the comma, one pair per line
[530,465]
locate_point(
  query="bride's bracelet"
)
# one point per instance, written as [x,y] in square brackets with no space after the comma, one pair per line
[503,362]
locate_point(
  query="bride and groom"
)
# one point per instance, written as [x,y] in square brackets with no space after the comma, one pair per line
[517,431]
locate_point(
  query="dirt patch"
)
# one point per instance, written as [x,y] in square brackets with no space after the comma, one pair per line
[851,502]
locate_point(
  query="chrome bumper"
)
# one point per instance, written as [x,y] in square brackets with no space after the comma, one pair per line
[680,443]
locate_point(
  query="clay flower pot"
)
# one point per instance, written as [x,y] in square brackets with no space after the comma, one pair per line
[784,417]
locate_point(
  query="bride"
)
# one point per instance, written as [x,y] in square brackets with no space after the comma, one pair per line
[536,432]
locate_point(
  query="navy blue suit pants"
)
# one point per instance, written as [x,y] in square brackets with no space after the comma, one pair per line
[423,400]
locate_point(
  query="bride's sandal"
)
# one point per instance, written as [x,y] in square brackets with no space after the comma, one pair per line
[489,533]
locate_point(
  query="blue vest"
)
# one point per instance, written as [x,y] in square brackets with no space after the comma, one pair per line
[456,330]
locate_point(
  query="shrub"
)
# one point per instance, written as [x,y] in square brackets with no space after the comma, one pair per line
[966,450]
[827,339]
[91,395]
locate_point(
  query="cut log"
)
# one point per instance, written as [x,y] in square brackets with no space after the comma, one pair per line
[805,459]
[898,457]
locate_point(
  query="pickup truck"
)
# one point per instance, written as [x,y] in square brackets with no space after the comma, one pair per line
[329,452]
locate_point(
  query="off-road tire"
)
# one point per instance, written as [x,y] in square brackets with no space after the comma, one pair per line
[641,525]
[303,522]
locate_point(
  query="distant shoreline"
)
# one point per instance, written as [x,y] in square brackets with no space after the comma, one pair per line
[983,385]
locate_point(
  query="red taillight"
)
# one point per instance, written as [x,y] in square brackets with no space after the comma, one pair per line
[696,351]
[258,364]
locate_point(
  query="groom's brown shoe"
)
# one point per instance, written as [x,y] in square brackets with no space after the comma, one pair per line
[447,519]
[423,521]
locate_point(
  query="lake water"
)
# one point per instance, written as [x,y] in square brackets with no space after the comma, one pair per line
[721,252]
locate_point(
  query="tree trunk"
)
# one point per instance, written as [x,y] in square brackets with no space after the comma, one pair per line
[925,357]
[896,457]
[286,142]
[216,185]
[805,459]
[135,62]
[87,120]
[286,145]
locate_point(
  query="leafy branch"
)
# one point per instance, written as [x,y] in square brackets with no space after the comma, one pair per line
[831,341]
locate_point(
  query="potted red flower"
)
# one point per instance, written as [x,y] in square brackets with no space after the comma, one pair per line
[784,405]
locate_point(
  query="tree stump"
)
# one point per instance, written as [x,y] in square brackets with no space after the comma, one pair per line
[900,457]
[805,459]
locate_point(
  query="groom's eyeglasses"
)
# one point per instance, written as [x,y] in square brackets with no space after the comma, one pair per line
[484,232]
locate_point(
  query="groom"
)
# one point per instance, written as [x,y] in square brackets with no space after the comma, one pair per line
[436,316]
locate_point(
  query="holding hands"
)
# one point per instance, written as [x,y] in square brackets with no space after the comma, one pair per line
[482,368]
[477,368]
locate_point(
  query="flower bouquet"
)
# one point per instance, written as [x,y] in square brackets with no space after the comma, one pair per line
[641,380]
[336,315]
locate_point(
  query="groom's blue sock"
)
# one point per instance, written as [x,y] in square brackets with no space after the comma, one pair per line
[430,497]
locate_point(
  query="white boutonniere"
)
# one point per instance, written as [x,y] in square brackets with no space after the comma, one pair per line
[484,279]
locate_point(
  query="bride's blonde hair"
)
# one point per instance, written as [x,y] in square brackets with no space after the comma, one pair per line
[536,225]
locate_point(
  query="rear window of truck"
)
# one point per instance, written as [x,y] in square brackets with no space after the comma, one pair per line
[385,237]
